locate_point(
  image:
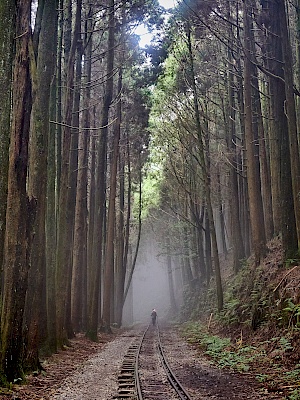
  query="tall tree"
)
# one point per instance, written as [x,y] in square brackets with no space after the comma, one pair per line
[170,275]
[291,116]
[253,177]
[63,256]
[7,29]
[101,177]
[206,176]
[79,269]
[236,231]
[37,187]
[20,210]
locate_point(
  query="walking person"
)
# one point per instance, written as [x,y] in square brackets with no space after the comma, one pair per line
[153,316]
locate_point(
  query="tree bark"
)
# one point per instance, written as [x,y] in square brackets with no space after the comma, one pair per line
[253,177]
[63,255]
[79,271]
[108,279]
[205,173]
[101,181]
[36,323]
[20,211]
[237,240]
[292,123]
[7,33]
[173,308]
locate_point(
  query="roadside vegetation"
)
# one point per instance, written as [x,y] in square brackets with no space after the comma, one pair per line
[258,331]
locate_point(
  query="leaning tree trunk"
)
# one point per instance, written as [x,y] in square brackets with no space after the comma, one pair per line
[133,264]
[7,29]
[19,209]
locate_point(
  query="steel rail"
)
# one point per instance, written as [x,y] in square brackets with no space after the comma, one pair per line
[170,374]
[137,377]
[183,395]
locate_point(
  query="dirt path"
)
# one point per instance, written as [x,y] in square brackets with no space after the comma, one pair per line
[88,371]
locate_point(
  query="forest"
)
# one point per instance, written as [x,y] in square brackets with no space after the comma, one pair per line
[193,136]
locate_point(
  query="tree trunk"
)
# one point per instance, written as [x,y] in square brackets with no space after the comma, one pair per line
[20,210]
[292,124]
[138,236]
[108,279]
[36,323]
[120,267]
[7,33]
[60,85]
[264,165]
[205,173]
[173,304]
[253,177]
[51,224]
[63,254]
[235,224]
[101,181]
[79,272]
[127,247]
[221,215]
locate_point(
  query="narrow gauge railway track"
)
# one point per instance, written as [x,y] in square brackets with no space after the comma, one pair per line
[146,373]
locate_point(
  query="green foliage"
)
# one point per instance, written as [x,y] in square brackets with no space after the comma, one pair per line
[262,377]
[221,350]
[293,375]
[285,344]
[294,395]
[291,313]
[229,315]
[214,344]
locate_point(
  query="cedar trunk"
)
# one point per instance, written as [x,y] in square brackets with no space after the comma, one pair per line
[290,249]
[36,297]
[101,184]
[7,29]
[19,209]
[253,178]
[63,254]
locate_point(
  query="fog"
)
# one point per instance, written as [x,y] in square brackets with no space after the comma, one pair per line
[150,285]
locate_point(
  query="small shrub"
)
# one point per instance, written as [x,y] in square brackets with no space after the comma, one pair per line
[294,395]
[285,344]
[262,377]
[221,350]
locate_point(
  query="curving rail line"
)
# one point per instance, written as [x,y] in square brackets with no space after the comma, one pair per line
[144,356]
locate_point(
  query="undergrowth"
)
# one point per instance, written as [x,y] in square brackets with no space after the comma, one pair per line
[222,351]
[234,355]
[263,303]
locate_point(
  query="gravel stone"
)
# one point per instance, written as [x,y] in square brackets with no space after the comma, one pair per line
[97,378]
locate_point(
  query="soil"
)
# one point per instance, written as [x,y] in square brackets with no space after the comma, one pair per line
[88,371]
